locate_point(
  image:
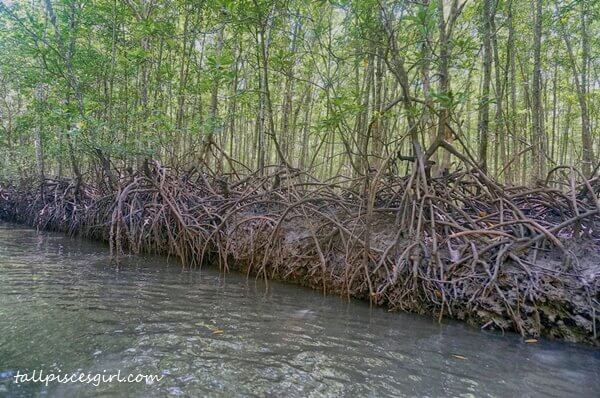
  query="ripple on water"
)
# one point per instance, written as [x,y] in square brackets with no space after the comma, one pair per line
[64,305]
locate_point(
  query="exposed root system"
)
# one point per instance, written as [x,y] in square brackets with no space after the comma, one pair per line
[460,246]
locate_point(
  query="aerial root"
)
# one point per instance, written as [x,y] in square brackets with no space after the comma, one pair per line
[458,246]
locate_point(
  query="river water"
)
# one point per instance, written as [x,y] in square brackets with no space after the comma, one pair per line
[64,308]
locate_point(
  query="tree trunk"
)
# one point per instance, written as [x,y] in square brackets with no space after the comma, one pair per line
[37,134]
[483,124]
[538,134]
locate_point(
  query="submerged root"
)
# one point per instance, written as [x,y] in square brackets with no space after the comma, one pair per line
[517,259]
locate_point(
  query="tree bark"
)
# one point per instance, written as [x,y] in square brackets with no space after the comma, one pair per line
[538,133]
[37,134]
[483,124]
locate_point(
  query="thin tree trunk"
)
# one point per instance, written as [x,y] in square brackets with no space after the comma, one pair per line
[538,133]
[483,124]
[580,79]
[37,134]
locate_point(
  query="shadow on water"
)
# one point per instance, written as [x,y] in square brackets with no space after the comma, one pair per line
[64,306]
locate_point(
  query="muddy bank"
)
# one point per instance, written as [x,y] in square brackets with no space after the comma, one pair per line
[518,259]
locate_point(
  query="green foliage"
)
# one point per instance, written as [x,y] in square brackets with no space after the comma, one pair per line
[136,79]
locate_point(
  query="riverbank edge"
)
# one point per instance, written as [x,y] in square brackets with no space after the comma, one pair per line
[254,241]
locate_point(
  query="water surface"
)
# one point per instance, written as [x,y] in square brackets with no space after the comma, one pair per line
[64,306]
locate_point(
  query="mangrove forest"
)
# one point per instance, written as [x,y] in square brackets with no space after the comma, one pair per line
[433,157]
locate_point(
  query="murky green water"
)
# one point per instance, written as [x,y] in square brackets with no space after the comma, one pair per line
[63,306]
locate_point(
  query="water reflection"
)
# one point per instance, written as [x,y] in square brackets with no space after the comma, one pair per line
[64,306]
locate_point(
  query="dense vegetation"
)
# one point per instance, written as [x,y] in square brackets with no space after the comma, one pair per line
[334,87]
[435,156]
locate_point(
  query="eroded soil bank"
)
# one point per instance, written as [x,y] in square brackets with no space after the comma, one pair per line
[461,246]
